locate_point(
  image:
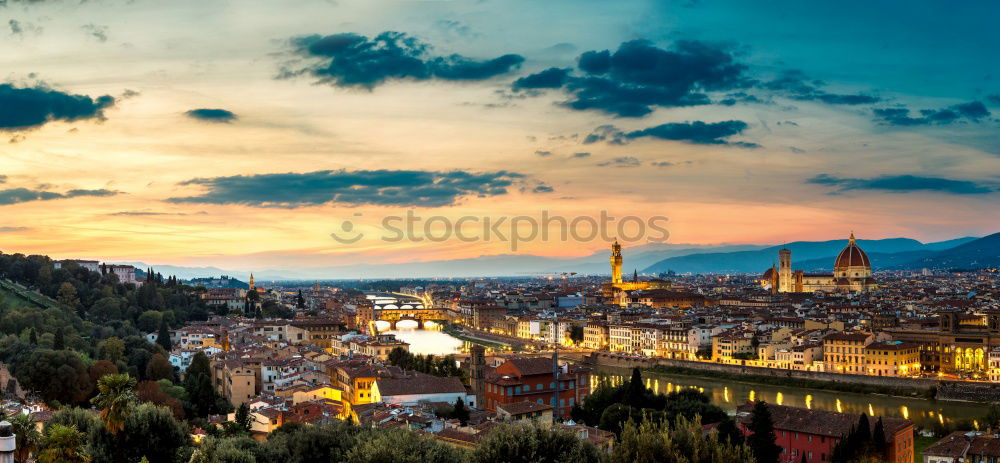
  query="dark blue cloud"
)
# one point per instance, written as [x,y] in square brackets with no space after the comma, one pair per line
[697,132]
[796,85]
[543,153]
[639,77]
[372,187]
[965,112]
[26,108]
[23,195]
[902,184]
[211,115]
[543,189]
[352,60]
[549,78]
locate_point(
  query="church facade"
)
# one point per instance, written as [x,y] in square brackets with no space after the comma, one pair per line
[852,272]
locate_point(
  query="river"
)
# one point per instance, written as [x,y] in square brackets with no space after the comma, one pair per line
[428,341]
[729,394]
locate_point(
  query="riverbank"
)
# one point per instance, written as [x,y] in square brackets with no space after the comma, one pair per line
[902,387]
[454,332]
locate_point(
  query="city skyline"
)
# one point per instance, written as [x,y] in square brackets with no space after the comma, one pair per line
[241,137]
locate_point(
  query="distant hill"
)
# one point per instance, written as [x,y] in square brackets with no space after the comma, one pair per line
[806,255]
[981,253]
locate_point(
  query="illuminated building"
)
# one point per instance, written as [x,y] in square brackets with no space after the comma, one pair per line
[960,345]
[852,272]
[845,352]
[534,380]
[892,358]
[616,290]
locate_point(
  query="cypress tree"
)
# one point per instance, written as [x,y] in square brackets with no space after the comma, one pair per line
[163,336]
[878,438]
[59,342]
[762,441]
[636,390]
[33,337]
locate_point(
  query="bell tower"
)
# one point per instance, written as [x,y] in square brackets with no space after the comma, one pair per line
[616,263]
[785,270]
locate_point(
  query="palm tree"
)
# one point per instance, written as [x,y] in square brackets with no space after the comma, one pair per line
[116,396]
[64,444]
[27,437]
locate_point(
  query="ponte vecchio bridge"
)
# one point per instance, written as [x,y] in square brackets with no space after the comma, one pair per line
[393,308]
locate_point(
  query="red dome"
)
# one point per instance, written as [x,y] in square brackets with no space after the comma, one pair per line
[852,256]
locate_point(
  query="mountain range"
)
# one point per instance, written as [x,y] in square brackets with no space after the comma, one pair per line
[651,258]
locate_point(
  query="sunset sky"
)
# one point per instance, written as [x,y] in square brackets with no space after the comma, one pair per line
[241,134]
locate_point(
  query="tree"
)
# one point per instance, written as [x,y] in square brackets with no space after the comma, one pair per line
[56,374]
[152,392]
[531,443]
[159,368]
[59,340]
[64,444]
[149,321]
[33,337]
[67,296]
[111,349]
[300,302]
[99,369]
[152,432]
[762,441]
[402,446]
[27,437]
[163,336]
[576,334]
[460,412]
[684,441]
[116,397]
[878,439]
[636,389]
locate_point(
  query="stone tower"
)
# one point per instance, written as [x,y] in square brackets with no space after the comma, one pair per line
[785,270]
[477,373]
[616,263]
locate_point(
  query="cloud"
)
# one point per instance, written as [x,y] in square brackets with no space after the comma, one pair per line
[966,112]
[13,229]
[3,179]
[995,99]
[581,155]
[639,77]
[795,84]
[15,27]
[902,184]
[98,32]
[211,115]
[549,78]
[662,164]
[359,187]
[543,189]
[697,132]
[22,195]
[352,60]
[624,161]
[25,108]
[543,153]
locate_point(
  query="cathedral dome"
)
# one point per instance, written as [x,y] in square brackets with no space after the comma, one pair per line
[851,256]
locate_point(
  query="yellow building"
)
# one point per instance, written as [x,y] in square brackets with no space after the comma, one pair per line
[732,343]
[616,290]
[595,335]
[892,358]
[845,352]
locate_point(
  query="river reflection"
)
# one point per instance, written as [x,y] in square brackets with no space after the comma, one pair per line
[429,341]
[728,395]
